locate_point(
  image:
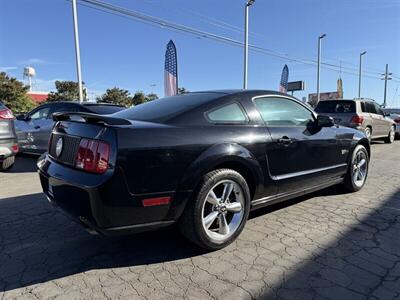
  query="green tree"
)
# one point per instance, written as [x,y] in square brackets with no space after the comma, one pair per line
[116,96]
[139,98]
[182,90]
[66,91]
[151,97]
[13,94]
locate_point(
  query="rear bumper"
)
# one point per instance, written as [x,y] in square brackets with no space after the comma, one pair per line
[6,148]
[103,203]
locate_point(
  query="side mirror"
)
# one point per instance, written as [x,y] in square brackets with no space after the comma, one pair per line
[325,121]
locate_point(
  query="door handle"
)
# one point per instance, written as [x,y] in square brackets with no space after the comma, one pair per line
[285,140]
[37,127]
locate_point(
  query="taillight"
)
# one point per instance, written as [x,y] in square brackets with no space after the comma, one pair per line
[357,120]
[6,114]
[15,148]
[93,156]
[397,120]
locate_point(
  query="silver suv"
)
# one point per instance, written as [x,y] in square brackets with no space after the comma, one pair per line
[362,114]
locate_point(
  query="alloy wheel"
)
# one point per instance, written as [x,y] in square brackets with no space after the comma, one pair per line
[368,132]
[392,134]
[359,168]
[223,210]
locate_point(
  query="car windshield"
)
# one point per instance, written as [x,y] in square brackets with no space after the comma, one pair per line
[345,106]
[105,109]
[164,109]
[2,106]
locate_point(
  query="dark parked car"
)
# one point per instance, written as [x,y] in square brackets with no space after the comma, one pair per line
[363,114]
[202,160]
[8,138]
[34,128]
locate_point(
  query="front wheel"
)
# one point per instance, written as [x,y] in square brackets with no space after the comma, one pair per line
[391,136]
[216,215]
[357,171]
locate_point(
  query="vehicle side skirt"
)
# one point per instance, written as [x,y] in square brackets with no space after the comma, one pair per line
[258,203]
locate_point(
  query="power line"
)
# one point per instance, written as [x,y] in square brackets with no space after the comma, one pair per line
[144,18]
[228,26]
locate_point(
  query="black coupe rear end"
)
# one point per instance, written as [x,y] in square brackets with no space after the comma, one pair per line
[202,160]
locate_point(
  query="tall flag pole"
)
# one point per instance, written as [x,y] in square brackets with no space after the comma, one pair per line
[283,86]
[171,70]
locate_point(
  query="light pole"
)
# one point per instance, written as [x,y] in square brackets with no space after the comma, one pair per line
[359,73]
[386,78]
[319,65]
[77,51]
[246,40]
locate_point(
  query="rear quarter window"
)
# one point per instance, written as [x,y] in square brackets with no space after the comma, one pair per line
[338,107]
[230,113]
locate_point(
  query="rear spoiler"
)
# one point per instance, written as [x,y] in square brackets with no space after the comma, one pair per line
[90,118]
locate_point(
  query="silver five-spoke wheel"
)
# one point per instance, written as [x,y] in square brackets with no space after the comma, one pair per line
[223,210]
[392,134]
[359,168]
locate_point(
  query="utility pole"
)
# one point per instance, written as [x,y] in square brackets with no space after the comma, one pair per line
[319,66]
[360,73]
[246,41]
[77,51]
[386,77]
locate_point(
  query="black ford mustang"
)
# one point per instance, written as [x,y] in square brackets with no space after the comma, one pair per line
[202,160]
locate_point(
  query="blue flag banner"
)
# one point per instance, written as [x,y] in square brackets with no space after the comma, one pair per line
[171,70]
[284,80]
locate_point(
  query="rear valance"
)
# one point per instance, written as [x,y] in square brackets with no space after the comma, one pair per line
[90,118]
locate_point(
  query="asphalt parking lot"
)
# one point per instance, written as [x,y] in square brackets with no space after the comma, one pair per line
[328,245]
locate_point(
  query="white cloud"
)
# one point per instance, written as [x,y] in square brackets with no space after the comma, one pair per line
[5,69]
[37,62]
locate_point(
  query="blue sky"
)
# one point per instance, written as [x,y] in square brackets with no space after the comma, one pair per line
[125,53]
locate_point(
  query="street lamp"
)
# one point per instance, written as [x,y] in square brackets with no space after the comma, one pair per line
[246,40]
[77,51]
[359,74]
[319,65]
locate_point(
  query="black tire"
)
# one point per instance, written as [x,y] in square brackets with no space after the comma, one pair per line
[191,222]
[349,181]
[7,164]
[391,135]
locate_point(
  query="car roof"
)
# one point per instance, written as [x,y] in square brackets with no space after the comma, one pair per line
[100,103]
[240,91]
[83,103]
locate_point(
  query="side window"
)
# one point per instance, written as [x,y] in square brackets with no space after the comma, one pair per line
[363,108]
[63,108]
[283,112]
[231,113]
[370,108]
[378,109]
[40,114]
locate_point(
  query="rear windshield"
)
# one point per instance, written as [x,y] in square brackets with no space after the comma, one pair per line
[104,109]
[2,106]
[164,109]
[336,107]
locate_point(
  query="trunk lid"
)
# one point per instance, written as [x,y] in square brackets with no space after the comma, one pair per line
[74,128]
